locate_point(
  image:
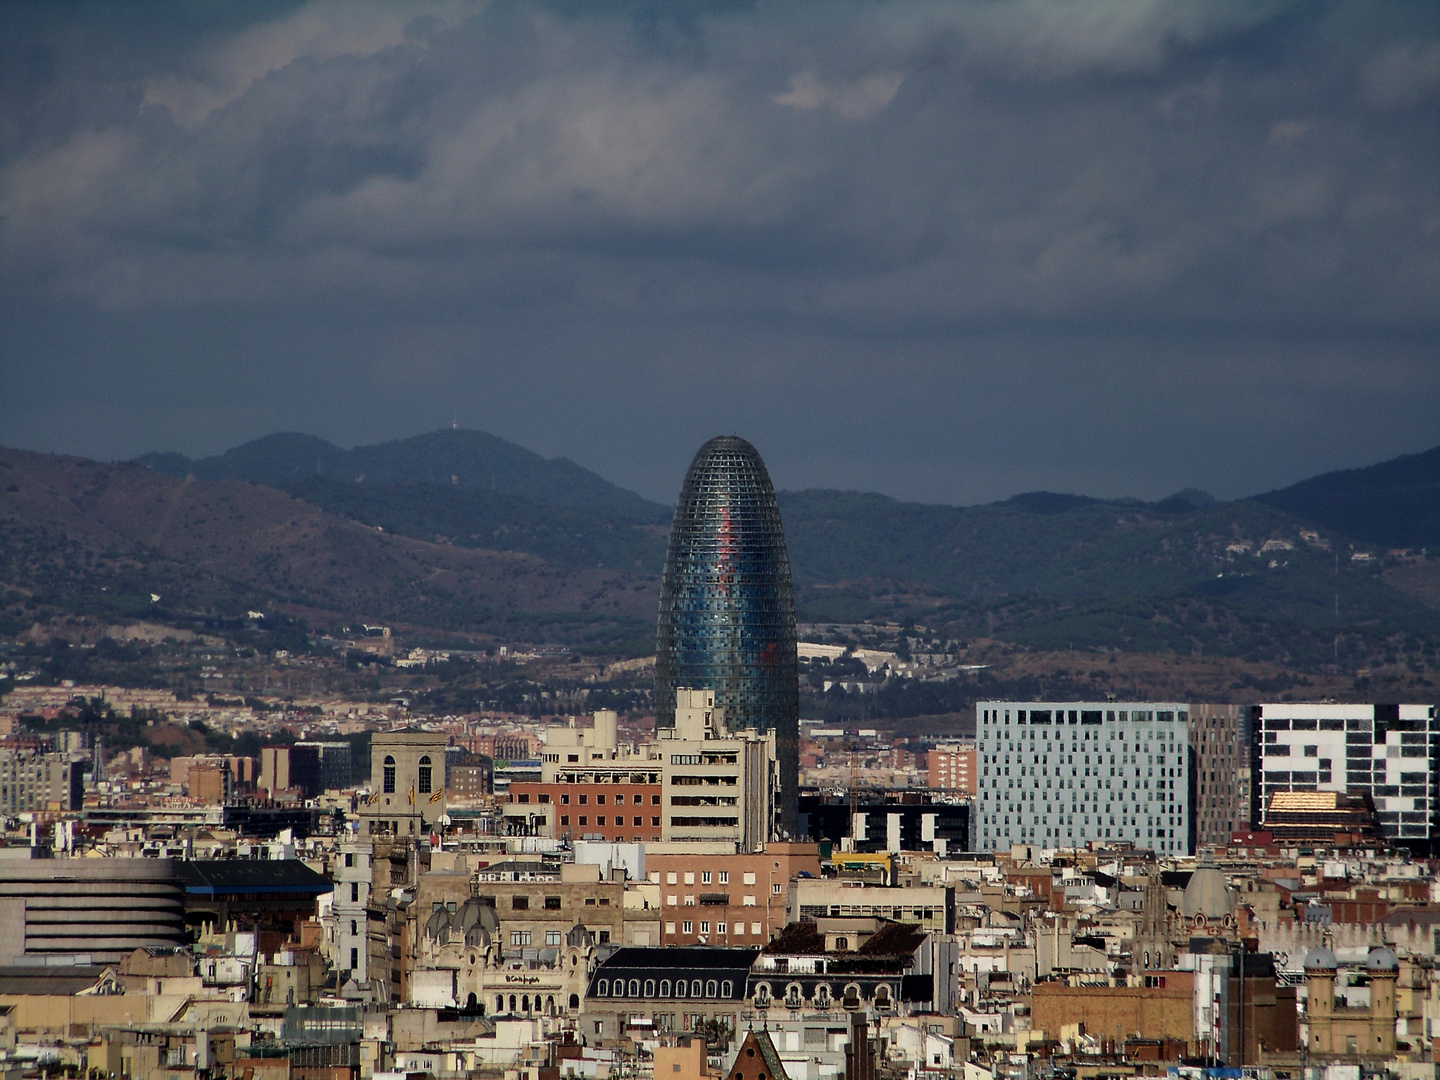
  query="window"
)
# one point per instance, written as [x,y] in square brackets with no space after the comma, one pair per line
[724,877]
[354,892]
[422,783]
[349,858]
[520,903]
[519,937]
[638,822]
[705,877]
[552,903]
[687,927]
[664,988]
[649,988]
[554,937]
[388,775]
[720,928]
[749,877]
[775,888]
[704,926]
[602,988]
[655,821]
[354,959]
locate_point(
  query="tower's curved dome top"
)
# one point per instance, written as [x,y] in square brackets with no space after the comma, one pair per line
[1321,959]
[1382,959]
[1207,893]
[727,603]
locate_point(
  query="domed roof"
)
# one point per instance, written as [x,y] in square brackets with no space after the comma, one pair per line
[1207,893]
[1321,958]
[1382,960]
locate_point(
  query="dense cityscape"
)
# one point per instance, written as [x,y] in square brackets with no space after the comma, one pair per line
[316,886]
[712,540]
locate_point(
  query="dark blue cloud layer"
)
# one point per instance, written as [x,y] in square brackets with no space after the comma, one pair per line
[946,251]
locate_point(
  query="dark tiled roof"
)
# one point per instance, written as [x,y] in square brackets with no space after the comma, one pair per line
[675,963]
[231,877]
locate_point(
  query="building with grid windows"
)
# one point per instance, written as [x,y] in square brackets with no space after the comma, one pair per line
[1388,752]
[727,605]
[1220,737]
[1067,774]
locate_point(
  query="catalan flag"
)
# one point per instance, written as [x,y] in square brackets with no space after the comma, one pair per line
[438,795]
[412,794]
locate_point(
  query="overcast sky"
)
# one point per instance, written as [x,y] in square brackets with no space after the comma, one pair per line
[945,251]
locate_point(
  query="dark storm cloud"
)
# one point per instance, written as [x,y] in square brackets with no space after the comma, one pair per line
[947,251]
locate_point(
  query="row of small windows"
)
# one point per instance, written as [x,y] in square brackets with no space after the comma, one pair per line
[1086,716]
[694,988]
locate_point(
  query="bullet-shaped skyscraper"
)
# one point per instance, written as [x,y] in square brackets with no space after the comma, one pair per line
[727,604]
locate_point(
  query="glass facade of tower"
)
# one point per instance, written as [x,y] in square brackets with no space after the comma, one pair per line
[727,604]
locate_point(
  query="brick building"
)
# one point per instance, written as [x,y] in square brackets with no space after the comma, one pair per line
[712,897]
[951,767]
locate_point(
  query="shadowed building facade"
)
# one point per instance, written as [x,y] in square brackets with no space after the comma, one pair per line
[727,604]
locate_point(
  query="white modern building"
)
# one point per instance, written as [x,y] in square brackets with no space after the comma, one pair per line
[1066,774]
[1386,751]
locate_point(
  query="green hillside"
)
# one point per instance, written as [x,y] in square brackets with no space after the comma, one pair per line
[569,536]
[1186,576]
[1089,574]
[1396,502]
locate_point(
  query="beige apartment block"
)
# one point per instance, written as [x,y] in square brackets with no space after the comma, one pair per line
[715,784]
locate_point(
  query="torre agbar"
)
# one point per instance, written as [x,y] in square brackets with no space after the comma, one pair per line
[727,605]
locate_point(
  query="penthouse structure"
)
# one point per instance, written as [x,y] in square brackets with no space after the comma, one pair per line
[1067,774]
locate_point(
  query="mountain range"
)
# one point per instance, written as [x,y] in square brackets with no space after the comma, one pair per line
[460,531]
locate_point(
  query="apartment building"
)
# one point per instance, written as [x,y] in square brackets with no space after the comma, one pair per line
[697,781]
[1067,774]
[539,904]
[33,780]
[1219,740]
[951,767]
[1388,752]
[712,895]
[931,907]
